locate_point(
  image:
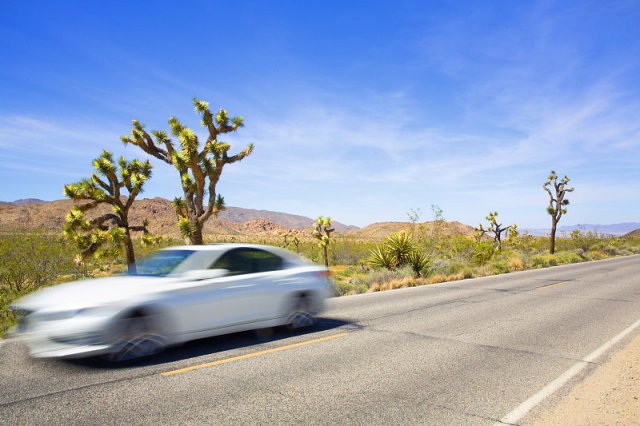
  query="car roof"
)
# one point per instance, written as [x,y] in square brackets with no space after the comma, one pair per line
[219,246]
[286,254]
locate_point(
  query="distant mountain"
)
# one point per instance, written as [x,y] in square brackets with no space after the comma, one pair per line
[240,215]
[28,201]
[615,229]
[232,221]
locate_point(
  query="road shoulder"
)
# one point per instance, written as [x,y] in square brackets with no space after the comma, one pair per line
[609,396]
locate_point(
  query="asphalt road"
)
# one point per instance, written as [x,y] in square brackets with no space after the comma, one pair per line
[467,352]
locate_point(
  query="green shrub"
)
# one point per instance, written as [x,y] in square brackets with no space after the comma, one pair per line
[596,255]
[500,267]
[543,261]
[483,252]
[564,257]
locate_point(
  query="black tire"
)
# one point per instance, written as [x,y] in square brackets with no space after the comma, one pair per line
[135,337]
[301,314]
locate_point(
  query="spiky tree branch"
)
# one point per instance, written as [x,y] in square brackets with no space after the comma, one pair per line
[199,167]
[106,187]
[557,203]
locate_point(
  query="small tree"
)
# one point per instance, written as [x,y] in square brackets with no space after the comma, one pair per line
[557,203]
[200,168]
[495,230]
[322,231]
[289,238]
[106,187]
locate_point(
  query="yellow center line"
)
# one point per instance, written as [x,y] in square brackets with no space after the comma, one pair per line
[552,285]
[251,355]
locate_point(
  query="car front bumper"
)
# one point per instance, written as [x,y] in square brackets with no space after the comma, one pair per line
[65,339]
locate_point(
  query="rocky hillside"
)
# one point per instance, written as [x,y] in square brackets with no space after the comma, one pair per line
[382,229]
[33,213]
[633,234]
[161,216]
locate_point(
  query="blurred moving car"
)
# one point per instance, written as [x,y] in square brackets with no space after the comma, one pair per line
[178,294]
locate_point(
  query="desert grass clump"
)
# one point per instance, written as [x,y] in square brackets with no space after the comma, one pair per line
[348,288]
[515,263]
[443,278]
[399,283]
[383,276]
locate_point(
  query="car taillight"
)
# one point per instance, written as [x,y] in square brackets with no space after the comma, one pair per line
[322,274]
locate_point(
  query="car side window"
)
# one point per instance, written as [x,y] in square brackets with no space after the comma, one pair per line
[248,261]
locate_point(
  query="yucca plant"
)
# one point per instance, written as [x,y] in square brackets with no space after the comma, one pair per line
[419,263]
[380,257]
[396,251]
[399,245]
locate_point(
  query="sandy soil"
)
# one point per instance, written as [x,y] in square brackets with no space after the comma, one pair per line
[610,396]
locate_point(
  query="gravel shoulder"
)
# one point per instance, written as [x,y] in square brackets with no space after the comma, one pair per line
[610,396]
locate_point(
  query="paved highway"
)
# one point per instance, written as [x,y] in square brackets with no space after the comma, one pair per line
[469,352]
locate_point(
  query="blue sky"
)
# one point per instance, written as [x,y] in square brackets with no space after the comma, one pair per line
[360,110]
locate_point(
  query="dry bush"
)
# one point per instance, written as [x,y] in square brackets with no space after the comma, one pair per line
[443,278]
[399,283]
[515,264]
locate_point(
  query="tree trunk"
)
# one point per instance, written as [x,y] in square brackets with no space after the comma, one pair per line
[552,238]
[326,255]
[196,238]
[131,258]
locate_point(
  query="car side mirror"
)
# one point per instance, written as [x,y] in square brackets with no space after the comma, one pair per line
[205,274]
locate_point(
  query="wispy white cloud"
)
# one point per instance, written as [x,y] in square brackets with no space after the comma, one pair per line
[26,134]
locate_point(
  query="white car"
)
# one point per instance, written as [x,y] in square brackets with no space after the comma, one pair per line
[178,294]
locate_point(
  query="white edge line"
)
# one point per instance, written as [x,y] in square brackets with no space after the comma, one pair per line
[517,414]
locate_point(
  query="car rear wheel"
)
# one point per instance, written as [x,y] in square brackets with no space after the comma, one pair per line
[301,314]
[135,338]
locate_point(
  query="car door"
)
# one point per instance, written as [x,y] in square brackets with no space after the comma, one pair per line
[249,292]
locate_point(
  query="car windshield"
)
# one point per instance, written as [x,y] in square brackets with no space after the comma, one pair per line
[162,262]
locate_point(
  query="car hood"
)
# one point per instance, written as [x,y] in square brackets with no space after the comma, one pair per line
[90,293]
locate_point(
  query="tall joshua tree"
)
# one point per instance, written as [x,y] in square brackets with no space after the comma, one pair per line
[557,203]
[495,229]
[106,186]
[200,168]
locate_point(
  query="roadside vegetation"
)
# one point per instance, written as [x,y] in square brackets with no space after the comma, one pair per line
[31,259]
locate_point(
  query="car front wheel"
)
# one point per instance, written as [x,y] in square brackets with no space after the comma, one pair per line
[135,338]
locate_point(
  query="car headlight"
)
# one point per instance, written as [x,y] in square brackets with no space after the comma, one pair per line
[93,311]
[98,311]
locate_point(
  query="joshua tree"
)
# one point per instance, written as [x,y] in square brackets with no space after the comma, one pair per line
[495,229]
[106,187]
[291,238]
[557,203]
[322,231]
[200,168]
